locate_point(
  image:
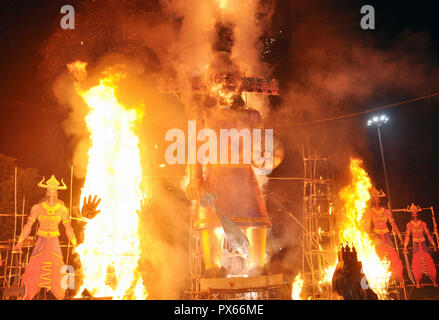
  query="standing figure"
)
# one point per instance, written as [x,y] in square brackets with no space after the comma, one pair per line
[380,216]
[46,264]
[422,262]
[238,195]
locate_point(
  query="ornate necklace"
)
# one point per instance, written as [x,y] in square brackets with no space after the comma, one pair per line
[51,210]
[378,212]
[416,223]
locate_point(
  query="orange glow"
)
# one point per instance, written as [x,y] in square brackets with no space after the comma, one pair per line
[111,248]
[327,275]
[351,231]
[296,289]
[225,95]
[222,4]
[355,197]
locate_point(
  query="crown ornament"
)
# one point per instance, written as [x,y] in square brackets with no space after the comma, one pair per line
[413,208]
[52,184]
[377,194]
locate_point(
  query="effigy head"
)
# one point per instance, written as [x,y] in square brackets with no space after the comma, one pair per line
[52,185]
[51,195]
[414,209]
[377,195]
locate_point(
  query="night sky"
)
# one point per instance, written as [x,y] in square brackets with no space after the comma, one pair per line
[31,128]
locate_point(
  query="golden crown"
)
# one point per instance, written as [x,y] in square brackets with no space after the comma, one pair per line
[52,184]
[414,208]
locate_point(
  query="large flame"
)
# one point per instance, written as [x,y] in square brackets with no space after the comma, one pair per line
[296,288]
[111,248]
[355,197]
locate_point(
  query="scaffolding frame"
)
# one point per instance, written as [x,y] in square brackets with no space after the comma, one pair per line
[195,256]
[318,238]
[196,274]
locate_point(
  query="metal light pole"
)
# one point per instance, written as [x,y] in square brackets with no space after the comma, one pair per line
[378,121]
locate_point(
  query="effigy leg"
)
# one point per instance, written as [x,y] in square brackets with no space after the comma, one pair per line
[257,238]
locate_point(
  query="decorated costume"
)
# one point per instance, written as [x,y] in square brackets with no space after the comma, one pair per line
[422,262]
[237,195]
[44,269]
[380,217]
[232,183]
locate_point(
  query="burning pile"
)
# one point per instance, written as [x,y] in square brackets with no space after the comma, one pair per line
[111,248]
[355,197]
[296,289]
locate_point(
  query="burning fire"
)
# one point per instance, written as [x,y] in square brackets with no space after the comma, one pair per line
[111,248]
[224,94]
[327,275]
[296,289]
[352,231]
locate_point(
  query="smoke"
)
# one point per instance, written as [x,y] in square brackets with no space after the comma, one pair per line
[134,37]
[179,39]
[329,66]
[332,67]
[335,67]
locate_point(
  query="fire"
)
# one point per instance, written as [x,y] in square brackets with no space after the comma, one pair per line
[327,275]
[225,95]
[111,248]
[352,231]
[296,289]
[222,4]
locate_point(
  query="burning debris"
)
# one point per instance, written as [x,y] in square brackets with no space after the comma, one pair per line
[296,288]
[349,280]
[352,230]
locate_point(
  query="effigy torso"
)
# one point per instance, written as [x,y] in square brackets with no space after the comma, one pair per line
[417,230]
[49,218]
[235,185]
[379,220]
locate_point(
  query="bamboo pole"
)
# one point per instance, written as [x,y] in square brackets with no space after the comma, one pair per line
[15,224]
[70,212]
[434,225]
[19,254]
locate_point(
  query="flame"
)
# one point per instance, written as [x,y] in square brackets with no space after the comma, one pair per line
[111,248]
[222,4]
[355,197]
[326,278]
[225,95]
[296,289]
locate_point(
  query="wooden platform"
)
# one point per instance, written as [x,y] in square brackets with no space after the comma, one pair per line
[242,283]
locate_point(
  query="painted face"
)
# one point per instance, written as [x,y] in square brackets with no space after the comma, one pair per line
[376,201]
[52,195]
[414,214]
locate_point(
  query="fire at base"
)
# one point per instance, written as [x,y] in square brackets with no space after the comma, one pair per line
[111,249]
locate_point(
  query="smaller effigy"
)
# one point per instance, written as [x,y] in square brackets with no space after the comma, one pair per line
[348,279]
[380,217]
[422,262]
[46,264]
